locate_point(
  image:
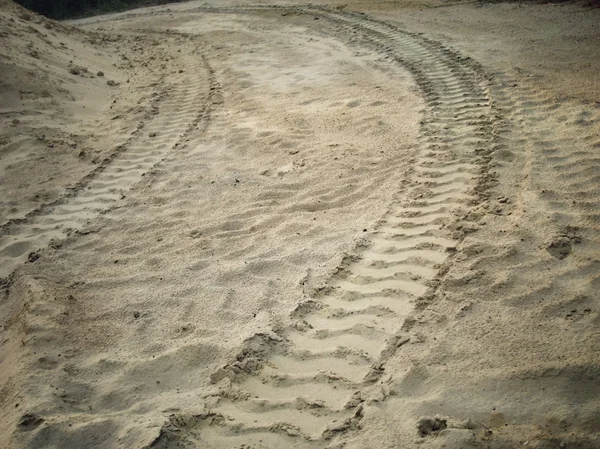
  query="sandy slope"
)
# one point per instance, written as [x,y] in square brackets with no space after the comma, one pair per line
[71,102]
[311,228]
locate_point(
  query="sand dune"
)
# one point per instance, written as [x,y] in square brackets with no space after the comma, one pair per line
[298,226]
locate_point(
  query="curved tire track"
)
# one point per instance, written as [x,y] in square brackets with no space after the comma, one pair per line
[309,382]
[183,109]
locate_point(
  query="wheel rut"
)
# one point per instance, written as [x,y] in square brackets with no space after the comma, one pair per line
[561,141]
[310,382]
[184,106]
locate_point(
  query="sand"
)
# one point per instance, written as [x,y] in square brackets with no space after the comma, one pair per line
[336,225]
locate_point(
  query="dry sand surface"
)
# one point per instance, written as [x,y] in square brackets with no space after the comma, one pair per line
[359,225]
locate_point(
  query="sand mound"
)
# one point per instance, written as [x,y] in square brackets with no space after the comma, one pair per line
[50,94]
[74,101]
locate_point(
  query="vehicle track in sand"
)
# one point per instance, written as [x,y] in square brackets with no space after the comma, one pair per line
[185,104]
[556,188]
[307,383]
[310,383]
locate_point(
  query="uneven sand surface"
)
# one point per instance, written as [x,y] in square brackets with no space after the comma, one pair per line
[301,227]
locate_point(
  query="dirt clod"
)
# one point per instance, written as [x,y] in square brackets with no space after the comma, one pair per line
[427,426]
[30,421]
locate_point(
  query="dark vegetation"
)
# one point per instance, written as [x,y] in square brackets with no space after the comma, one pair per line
[64,9]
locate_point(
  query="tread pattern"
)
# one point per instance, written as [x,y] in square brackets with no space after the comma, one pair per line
[308,383]
[567,145]
[186,105]
[558,146]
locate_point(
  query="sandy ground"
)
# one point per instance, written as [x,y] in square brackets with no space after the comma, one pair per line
[336,225]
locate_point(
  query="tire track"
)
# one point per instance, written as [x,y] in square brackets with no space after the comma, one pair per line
[310,382]
[180,112]
[561,136]
[560,192]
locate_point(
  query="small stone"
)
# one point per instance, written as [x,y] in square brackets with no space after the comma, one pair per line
[112,83]
[100,73]
[153,134]
[136,314]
